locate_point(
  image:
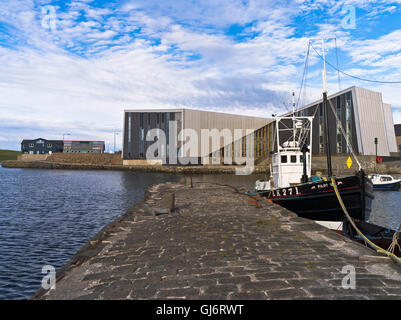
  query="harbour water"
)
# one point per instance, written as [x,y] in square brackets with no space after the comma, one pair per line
[47,215]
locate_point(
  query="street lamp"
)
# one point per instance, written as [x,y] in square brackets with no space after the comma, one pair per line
[115,133]
[376,142]
[66,134]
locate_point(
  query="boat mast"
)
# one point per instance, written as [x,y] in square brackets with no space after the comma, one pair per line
[326,115]
[325,108]
[293,118]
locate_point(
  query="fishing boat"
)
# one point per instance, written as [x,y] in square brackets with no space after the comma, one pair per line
[291,184]
[384,182]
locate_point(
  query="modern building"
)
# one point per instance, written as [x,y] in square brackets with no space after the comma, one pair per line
[397,129]
[178,126]
[75,146]
[362,113]
[363,116]
[41,146]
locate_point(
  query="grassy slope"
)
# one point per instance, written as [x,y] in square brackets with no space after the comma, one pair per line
[9,155]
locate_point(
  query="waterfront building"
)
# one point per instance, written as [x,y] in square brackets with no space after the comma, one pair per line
[41,146]
[77,146]
[363,116]
[362,113]
[397,129]
[176,123]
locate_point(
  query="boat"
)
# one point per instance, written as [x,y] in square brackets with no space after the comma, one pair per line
[384,182]
[291,184]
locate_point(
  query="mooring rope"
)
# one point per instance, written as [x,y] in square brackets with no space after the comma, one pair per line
[367,241]
[394,243]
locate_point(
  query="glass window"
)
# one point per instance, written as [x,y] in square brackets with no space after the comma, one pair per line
[293,159]
[129,127]
[141,120]
[283,159]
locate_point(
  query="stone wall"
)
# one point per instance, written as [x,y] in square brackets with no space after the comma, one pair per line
[33,157]
[87,158]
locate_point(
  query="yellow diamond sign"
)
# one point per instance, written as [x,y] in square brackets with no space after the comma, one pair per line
[349,162]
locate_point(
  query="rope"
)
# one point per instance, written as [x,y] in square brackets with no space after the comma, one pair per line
[394,243]
[304,76]
[338,72]
[367,241]
[349,75]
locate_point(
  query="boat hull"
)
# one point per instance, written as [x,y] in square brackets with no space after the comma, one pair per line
[394,186]
[318,201]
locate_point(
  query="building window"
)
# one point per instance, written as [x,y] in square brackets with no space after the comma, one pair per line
[283,159]
[129,127]
[293,159]
[141,138]
[141,120]
[49,145]
[31,145]
[321,129]
[339,117]
[348,119]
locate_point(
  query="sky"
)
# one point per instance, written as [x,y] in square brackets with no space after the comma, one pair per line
[72,67]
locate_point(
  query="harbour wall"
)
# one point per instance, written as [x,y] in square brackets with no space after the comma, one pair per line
[115,162]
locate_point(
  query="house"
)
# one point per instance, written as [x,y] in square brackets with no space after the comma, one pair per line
[41,146]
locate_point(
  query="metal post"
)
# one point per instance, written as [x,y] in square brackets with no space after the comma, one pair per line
[376,142]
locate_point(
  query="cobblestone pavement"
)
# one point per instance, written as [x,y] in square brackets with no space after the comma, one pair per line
[219,244]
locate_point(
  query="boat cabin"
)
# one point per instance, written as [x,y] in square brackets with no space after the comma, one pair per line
[287,165]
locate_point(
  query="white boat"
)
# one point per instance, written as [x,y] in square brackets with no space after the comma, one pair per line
[384,182]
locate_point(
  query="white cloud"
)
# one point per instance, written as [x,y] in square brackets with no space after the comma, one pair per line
[79,77]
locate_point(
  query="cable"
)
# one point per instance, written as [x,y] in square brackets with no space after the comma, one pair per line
[338,72]
[304,74]
[349,75]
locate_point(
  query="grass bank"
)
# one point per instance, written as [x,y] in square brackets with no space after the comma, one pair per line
[9,155]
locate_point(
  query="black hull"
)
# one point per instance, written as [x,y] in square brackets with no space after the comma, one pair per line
[394,186]
[318,201]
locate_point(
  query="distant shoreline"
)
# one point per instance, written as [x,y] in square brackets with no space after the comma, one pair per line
[386,168]
[140,168]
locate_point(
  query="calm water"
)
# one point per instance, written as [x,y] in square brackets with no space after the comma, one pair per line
[47,215]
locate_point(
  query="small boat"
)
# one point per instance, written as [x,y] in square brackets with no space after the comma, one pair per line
[384,182]
[380,236]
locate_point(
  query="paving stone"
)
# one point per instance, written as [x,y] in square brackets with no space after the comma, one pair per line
[219,246]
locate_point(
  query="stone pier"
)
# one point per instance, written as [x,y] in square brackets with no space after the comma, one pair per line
[220,244]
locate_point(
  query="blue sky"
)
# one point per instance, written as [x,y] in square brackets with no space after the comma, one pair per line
[74,66]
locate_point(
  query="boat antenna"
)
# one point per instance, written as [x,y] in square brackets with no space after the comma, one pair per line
[293,117]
